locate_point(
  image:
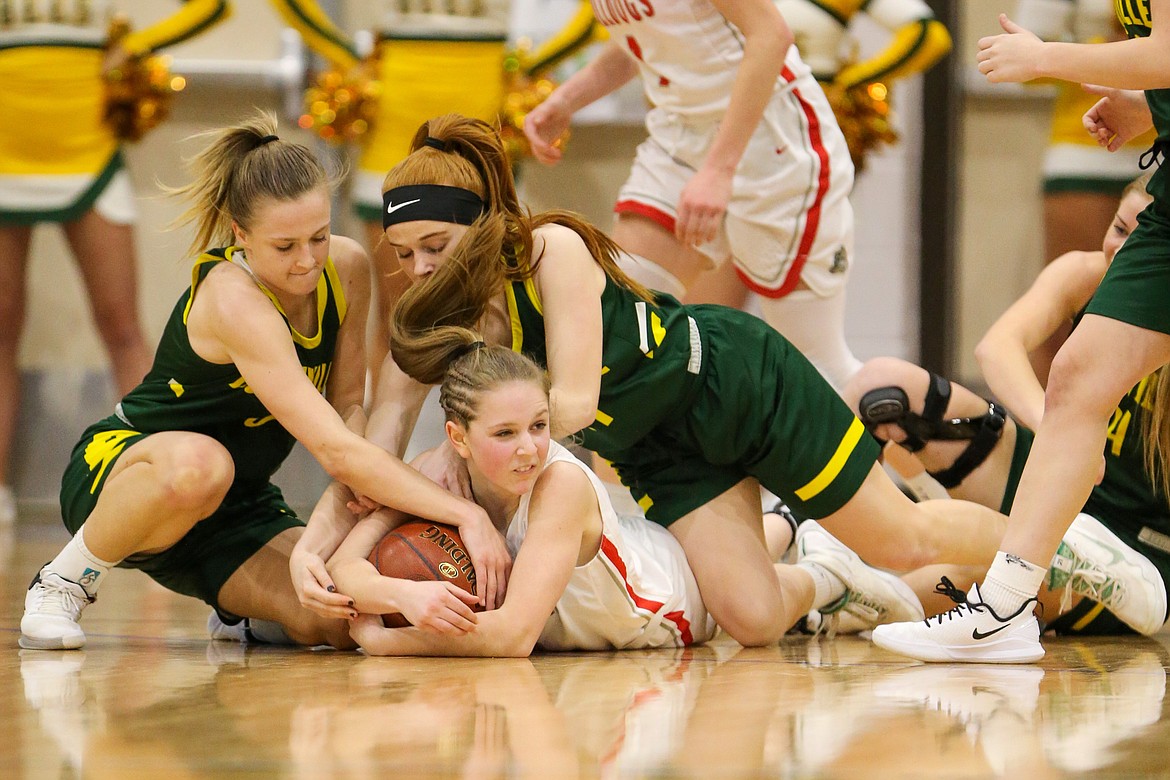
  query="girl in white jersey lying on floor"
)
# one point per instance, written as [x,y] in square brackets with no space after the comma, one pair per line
[745,161]
[584,577]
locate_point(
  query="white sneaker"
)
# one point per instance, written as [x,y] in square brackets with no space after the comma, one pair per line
[52,608]
[971,632]
[1093,562]
[871,596]
[7,505]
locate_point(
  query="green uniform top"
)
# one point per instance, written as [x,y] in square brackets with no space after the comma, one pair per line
[1136,18]
[1126,496]
[184,392]
[650,358]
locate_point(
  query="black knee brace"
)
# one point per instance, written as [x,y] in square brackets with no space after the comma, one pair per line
[886,405]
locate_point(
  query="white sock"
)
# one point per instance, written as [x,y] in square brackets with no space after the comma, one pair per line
[77,564]
[1010,582]
[651,274]
[828,586]
[269,632]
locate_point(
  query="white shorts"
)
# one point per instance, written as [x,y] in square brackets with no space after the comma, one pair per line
[62,198]
[1079,163]
[789,219]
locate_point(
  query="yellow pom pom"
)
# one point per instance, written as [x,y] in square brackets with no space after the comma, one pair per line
[340,107]
[138,92]
[863,114]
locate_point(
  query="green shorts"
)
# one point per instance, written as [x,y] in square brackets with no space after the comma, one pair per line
[1136,288]
[202,561]
[1024,439]
[761,411]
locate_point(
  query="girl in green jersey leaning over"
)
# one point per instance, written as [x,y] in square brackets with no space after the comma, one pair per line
[695,406]
[264,349]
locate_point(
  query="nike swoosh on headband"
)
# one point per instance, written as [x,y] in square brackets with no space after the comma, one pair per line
[392,207]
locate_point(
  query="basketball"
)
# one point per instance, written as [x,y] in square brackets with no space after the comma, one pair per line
[421,550]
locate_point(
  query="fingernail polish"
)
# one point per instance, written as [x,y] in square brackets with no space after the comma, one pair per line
[331,589]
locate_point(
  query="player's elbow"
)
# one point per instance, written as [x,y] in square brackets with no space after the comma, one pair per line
[775,34]
[336,456]
[572,413]
[987,351]
[516,639]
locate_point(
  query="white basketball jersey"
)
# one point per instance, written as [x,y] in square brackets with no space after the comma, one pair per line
[687,51]
[637,592]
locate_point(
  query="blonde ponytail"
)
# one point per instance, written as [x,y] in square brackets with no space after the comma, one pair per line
[238,168]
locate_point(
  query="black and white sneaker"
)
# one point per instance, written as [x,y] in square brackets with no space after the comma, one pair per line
[971,632]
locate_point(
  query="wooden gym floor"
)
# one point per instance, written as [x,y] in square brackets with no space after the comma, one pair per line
[151,697]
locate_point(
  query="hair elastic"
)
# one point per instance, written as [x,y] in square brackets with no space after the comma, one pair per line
[435,143]
[268,139]
[436,202]
[467,349]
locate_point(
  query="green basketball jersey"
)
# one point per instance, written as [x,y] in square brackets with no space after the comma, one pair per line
[184,392]
[651,359]
[1126,496]
[1136,18]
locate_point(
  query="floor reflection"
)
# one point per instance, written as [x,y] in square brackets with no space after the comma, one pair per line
[150,697]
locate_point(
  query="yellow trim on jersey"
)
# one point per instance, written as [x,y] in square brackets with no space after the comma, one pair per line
[645,502]
[195,280]
[193,18]
[835,464]
[338,292]
[514,317]
[603,418]
[913,48]
[308,342]
[533,295]
[320,33]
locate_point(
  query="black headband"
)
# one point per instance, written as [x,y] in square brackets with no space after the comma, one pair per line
[435,202]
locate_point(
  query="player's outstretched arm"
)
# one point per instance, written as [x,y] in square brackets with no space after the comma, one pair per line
[1018,55]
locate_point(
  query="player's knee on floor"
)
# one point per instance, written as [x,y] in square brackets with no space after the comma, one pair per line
[891,406]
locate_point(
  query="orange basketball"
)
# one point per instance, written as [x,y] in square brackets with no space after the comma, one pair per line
[421,550]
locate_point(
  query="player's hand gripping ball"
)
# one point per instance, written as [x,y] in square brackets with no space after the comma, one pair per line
[422,551]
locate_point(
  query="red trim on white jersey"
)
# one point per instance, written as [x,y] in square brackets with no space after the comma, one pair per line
[642,210]
[813,215]
[677,617]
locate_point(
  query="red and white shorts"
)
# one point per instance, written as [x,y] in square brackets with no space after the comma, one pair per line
[789,219]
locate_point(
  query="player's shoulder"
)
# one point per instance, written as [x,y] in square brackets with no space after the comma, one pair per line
[552,235]
[566,483]
[347,254]
[1077,265]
